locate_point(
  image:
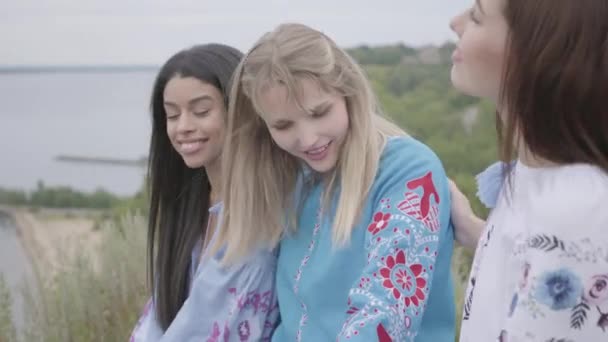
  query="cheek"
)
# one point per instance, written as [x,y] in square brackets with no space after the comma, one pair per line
[487,53]
[219,130]
[480,71]
[345,123]
[213,125]
[340,123]
[282,139]
[171,131]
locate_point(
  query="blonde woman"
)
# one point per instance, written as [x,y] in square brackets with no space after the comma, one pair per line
[367,248]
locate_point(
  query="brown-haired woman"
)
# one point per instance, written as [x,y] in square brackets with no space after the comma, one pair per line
[541,267]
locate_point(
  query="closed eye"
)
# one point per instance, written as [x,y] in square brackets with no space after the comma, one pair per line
[321,112]
[282,125]
[202,113]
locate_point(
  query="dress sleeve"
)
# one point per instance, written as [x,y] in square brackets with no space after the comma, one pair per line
[388,301]
[246,310]
[146,329]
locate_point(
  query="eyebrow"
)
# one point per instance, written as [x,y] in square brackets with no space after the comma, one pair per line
[194,100]
[478,2]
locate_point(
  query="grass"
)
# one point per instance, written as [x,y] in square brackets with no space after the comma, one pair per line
[87,301]
[101,301]
[7,329]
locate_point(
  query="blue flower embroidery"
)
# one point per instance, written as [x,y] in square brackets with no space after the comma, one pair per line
[559,290]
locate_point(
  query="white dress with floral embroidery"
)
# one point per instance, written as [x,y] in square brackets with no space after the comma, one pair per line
[541,268]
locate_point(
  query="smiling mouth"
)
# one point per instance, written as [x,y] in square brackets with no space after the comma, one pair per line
[319,150]
[192,146]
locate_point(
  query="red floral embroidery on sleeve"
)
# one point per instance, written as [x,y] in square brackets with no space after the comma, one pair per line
[380,222]
[403,280]
[420,207]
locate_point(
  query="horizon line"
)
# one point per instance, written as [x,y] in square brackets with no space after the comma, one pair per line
[111,67]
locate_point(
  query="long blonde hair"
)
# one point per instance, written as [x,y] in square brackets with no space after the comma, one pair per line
[259,178]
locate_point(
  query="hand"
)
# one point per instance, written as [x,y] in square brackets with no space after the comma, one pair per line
[467,225]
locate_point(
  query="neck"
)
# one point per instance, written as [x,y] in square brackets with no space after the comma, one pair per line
[215,180]
[530,159]
[524,154]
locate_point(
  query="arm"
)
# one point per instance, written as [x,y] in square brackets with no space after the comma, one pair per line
[467,226]
[562,292]
[388,302]
[224,304]
[255,311]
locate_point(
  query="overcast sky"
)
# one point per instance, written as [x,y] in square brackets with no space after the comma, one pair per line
[149,31]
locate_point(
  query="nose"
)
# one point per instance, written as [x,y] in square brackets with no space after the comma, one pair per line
[457,24]
[307,137]
[185,123]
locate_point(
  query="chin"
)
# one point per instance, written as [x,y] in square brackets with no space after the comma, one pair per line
[457,81]
[318,169]
[471,86]
[194,163]
[323,167]
[463,87]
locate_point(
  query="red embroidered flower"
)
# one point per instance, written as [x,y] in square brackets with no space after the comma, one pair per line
[383,335]
[403,280]
[380,222]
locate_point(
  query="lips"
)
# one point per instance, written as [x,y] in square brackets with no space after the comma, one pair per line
[318,153]
[191,146]
[456,55]
[319,150]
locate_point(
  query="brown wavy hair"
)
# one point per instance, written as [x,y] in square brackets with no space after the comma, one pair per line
[555,83]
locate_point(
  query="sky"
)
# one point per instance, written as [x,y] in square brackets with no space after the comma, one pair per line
[85,32]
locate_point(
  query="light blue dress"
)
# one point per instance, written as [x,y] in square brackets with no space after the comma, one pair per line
[392,282]
[234,304]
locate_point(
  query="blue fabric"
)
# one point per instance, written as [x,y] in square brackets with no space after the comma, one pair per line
[224,304]
[392,282]
[490,182]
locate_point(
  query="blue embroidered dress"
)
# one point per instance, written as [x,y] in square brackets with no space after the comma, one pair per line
[392,282]
[234,304]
